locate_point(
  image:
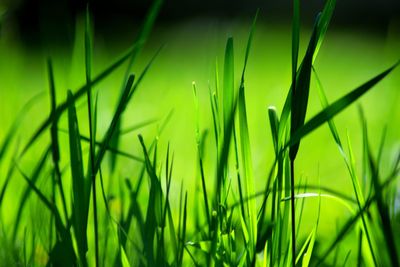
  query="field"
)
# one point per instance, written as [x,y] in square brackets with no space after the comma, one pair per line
[194,159]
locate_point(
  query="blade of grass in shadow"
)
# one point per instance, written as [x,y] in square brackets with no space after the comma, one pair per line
[154,208]
[80,184]
[55,146]
[92,131]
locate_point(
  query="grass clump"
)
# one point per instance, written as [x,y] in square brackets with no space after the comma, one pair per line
[234,224]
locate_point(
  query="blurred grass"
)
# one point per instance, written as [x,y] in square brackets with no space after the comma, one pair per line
[347,58]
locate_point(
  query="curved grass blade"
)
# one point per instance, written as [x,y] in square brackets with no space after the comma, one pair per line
[16,123]
[336,107]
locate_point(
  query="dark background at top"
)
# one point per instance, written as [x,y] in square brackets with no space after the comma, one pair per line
[53,21]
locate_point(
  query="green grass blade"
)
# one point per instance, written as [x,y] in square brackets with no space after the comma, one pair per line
[16,123]
[301,91]
[154,208]
[336,107]
[55,146]
[295,39]
[323,24]
[228,88]
[274,124]
[79,183]
[251,218]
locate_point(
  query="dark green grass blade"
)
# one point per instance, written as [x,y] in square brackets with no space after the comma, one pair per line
[55,146]
[78,94]
[92,134]
[228,88]
[274,124]
[79,182]
[301,90]
[182,237]
[295,39]
[336,107]
[154,208]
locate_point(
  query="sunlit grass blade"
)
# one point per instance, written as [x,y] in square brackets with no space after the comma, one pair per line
[251,218]
[336,107]
[350,164]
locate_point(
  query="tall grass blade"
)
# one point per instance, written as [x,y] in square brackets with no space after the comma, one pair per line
[80,184]
[251,218]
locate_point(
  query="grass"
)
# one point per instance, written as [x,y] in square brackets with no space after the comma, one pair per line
[91,215]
